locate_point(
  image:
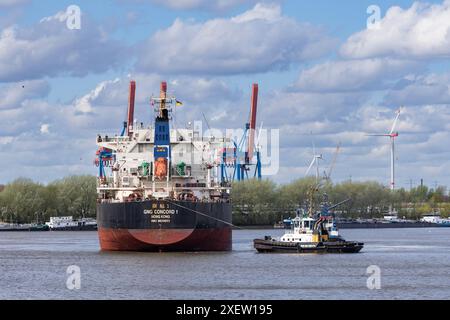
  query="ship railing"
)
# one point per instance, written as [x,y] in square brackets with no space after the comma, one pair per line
[105,182]
[218,200]
[115,138]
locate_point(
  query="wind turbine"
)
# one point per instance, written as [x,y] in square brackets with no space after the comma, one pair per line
[315,160]
[392,135]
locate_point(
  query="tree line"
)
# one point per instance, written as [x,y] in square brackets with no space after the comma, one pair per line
[265,203]
[25,201]
[254,202]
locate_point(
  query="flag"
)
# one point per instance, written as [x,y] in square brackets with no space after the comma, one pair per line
[179,103]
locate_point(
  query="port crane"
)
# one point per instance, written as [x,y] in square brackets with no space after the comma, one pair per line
[327,175]
[250,159]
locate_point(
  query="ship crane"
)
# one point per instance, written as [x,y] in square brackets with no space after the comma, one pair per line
[105,158]
[327,175]
[243,161]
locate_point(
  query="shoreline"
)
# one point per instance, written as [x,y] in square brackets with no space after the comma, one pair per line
[354,225]
[363,225]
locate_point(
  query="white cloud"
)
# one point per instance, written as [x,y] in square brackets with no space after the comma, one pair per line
[379,119]
[204,90]
[421,148]
[259,40]
[421,90]
[49,48]
[421,31]
[209,5]
[12,3]
[193,92]
[6,140]
[14,122]
[45,128]
[353,75]
[13,95]
[287,107]
[84,104]
[269,12]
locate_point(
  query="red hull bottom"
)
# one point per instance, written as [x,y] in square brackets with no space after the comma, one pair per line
[165,240]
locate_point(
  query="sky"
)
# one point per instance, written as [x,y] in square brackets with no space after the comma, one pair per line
[326,75]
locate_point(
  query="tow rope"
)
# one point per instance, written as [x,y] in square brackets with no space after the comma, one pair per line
[203,214]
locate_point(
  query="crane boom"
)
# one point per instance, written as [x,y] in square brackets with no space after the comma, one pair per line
[131,100]
[252,127]
[333,163]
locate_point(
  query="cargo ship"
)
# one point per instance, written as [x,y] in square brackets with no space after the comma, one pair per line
[159,187]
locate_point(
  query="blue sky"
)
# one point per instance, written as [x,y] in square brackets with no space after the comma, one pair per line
[318,67]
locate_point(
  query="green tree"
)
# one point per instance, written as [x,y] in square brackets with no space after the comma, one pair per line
[22,201]
[254,202]
[76,196]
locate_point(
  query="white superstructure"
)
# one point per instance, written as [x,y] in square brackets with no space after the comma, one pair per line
[305,229]
[160,161]
[68,223]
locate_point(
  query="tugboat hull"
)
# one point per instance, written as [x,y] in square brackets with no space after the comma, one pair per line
[272,246]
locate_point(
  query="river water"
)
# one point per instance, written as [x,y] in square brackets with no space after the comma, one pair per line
[414,264]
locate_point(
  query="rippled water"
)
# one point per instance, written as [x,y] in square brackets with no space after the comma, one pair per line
[414,263]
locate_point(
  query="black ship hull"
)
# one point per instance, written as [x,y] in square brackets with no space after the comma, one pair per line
[164,226]
[271,246]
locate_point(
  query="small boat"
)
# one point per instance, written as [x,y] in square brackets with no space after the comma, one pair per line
[39,227]
[309,235]
[69,224]
[13,227]
[23,227]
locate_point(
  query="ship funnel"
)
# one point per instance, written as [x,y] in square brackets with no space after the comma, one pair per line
[163,90]
[253,110]
[163,113]
[131,100]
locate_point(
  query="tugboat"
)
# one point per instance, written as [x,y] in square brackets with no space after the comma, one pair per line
[310,233]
